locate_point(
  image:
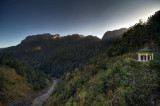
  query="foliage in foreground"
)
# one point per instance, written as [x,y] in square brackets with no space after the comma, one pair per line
[118,81]
[16,79]
[113,78]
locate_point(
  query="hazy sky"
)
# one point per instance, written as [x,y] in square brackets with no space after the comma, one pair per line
[20,18]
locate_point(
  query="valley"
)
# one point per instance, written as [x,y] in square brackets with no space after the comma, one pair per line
[88,70]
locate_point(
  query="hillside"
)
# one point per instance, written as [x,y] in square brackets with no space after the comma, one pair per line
[57,55]
[12,85]
[115,77]
[18,80]
[108,81]
[111,36]
[50,52]
[39,57]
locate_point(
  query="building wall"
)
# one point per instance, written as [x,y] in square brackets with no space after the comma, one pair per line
[145,56]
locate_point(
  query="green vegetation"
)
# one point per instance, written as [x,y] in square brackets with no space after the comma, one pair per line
[119,82]
[95,72]
[115,77]
[137,36]
[155,63]
[78,50]
[54,55]
[57,55]
[17,79]
[12,85]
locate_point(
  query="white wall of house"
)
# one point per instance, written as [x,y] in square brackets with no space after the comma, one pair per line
[145,56]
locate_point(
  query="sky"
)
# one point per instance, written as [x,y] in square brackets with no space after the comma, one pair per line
[20,18]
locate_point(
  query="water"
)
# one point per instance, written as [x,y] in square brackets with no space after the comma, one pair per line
[44,97]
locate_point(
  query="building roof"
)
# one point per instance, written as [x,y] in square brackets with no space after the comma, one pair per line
[146,50]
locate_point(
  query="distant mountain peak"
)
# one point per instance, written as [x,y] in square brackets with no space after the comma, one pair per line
[39,37]
[115,34]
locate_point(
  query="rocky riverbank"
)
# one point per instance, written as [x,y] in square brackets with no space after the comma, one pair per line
[44,97]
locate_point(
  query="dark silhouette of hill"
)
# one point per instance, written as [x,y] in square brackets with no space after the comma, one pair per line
[111,36]
[54,54]
[57,55]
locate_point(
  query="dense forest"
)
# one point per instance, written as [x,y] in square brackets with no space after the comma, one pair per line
[24,68]
[57,55]
[114,76]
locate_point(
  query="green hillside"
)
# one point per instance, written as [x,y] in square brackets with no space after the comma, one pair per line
[115,77]
[17,79]
[43,56]
[12,85]
[57,55]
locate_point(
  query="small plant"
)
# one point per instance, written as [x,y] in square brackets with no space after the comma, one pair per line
[155,63]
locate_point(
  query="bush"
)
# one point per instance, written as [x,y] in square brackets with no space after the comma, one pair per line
[155,63]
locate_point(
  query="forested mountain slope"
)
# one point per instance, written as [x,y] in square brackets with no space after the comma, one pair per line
[27,65]
[115,77]
[54,54]
[57,55]
[111,36]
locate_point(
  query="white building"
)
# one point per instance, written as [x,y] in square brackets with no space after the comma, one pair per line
[145,54]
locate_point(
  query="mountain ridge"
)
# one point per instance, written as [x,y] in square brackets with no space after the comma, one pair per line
[114,76]
[39,50]
[114,33]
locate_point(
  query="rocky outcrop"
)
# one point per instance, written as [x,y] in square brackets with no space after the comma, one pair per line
[46,36]
[113,34]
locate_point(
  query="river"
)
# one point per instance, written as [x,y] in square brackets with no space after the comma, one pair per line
[44,97]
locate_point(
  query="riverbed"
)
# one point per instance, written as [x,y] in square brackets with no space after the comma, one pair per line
[44,97]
